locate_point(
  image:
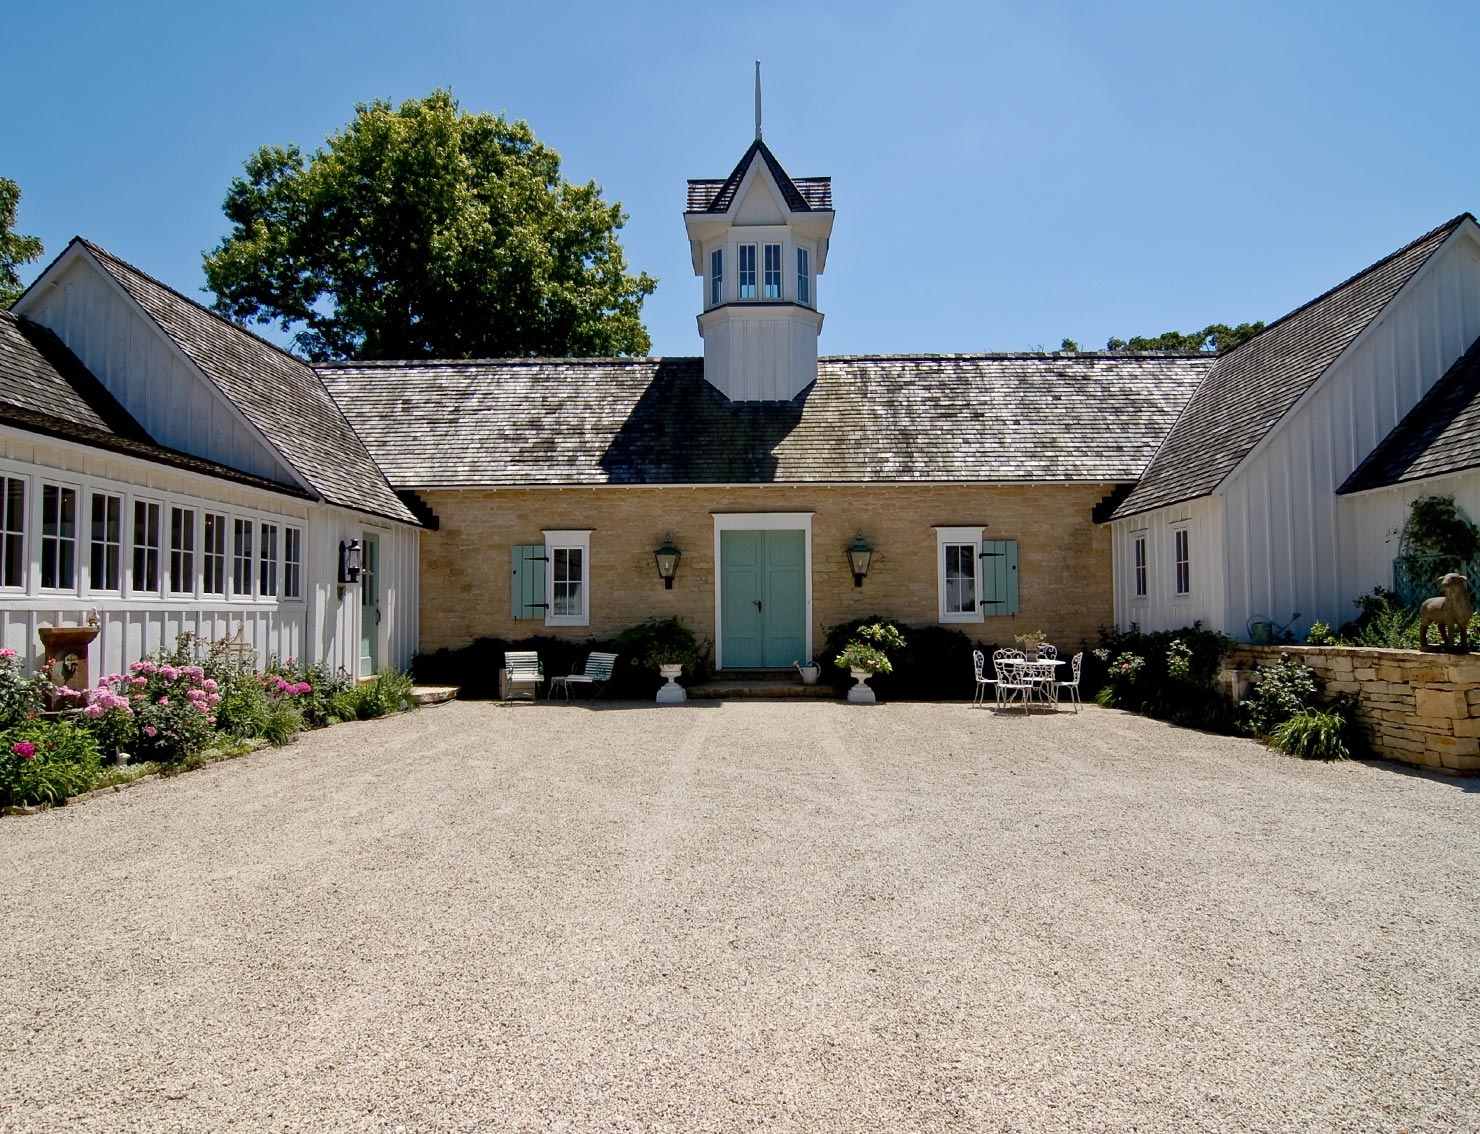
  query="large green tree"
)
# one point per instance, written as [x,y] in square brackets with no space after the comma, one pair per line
[425,231]
[15,249]
[1214,337]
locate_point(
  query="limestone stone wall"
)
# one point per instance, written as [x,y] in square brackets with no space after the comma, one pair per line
[1064,557]
[1420,708]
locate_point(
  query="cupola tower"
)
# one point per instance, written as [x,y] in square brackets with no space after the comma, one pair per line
[759,240]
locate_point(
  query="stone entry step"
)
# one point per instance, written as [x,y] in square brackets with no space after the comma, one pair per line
[759,686]
[434,694]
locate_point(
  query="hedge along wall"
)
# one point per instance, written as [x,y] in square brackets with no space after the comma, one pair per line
[1422,709]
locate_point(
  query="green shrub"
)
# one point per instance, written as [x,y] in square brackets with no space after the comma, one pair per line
[46,761]
[1169,674]
[643,648]
[1321,635]
[21,697]
[932,664]
[388,693]
[315,703]
[1316,734]
[243,709]
[1280,692]
[283,723]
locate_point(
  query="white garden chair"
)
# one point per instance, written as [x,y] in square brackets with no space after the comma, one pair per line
[978,663]
[596,673]
[1012,678]
[522,667]
[1073,686]
[1047,651]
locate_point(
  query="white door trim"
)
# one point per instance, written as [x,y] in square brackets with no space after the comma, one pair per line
[760,522]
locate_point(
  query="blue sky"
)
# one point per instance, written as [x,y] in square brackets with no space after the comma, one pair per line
[1005,174]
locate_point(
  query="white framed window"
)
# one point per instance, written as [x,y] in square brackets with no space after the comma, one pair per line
[804,277]
[13,532]
[1139,545]
[214,554]
[292,563]
[146,548]
[568,577]
[746,272]
[58,537]
[772,278]
[716,277]
[182,551]
[105,561]
[958,564]
[1182,560]
[267,560]
[241,558]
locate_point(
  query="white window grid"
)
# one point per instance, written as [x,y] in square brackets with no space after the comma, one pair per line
[1182,559]
[1140,566]
[58,537]
[745,273]
[13,532]
[105,550]
[716,277]
[182,550]
[242,560]
[804,277]
[147,533]
[772,279]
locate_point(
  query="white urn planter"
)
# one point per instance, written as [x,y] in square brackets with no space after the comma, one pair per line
[861,694]
[672,693]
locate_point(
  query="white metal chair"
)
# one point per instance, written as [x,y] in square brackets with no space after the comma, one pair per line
[596,673]
[1012,678]
[1072,686]
[522,667]
[1048,651]
[978,663]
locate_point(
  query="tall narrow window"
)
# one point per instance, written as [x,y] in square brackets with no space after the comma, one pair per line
[1140,566]
[214,554]
[568,577]
[773,271]
[241,558]
[292,563]
[106,560]
[146,548]
[182,551]
[746,276]
[960,578]
[13,529]
[1183,562]
[267,550]
[804,277]
[58,537]
[716,277]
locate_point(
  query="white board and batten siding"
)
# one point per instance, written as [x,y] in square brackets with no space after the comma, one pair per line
[1163,607]
[1372,523]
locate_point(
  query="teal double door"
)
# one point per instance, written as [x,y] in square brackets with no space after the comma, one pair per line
[763,599]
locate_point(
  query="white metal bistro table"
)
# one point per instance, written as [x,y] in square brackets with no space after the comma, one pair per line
[1041,673]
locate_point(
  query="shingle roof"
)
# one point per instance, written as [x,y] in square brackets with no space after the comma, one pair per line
[1441,434]
[1251,387]
[279,394]
[881,419]
[45,388]
[802,194]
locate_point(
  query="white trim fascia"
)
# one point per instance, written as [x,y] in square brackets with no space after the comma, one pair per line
[175,349]
[1466,227]
[747,179]
[803,485]
[760,522]
[1415,482]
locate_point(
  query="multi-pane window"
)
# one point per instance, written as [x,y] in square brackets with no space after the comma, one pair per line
[241,557]
[182,550]
[1140,566]
[292,563]
[960,578]
[267,546]
[146,547]
[773,271]
[58,536]
[13,532]
[1183,562]
[716,276]
[804,277]
[106,560]
[567,567]
[214,554]
[746,276]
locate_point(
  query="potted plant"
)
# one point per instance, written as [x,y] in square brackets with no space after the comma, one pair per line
[809,672]
[1030,643]
[865,655]
[670,661]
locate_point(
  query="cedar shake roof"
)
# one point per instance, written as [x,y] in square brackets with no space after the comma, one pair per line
[279,394]
[1441,434]
[1251,387]
[45,388]
[802,195]
[1033,418]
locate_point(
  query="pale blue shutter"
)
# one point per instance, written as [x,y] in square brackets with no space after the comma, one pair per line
[527,587]
[999,576]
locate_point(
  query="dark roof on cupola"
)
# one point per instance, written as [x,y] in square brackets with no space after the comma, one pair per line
[1439,435]
[279,394]
[46,389]
[1251,387]
[802,194]
[881,419]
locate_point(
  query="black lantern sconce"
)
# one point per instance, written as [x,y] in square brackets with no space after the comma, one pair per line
[860,554]
[350,562]
[667,559]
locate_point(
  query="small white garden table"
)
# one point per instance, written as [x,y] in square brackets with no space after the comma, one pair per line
[1041,673]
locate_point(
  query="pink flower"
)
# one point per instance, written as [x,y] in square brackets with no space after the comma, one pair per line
[209,685]
[213,698]
[150,730]
[164,700]
[6,652]
[24,749]
[210,720]
[169,672]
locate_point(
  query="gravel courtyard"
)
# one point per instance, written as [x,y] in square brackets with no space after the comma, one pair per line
[748,917]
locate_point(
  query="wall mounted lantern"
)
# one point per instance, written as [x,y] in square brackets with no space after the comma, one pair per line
[350,561]
[667,558]
[860,554]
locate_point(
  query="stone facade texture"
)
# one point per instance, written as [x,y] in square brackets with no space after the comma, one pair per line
[1420,708]
[1064,563]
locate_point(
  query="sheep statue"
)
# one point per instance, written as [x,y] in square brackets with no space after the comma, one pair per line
[1450,612]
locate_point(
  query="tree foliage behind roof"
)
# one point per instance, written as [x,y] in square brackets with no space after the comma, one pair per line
[15,249]
[1216,337]
[425,231]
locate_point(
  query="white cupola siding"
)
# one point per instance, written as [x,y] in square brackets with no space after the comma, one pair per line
[759,241]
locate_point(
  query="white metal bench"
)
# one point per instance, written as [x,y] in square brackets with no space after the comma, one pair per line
[596,673]
[522,667]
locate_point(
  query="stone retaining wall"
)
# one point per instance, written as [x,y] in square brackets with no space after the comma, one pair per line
[1422,709]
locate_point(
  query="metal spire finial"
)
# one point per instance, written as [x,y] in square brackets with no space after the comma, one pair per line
[757,100]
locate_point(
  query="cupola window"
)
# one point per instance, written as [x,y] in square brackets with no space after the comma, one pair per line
[747,271]
[804,277]
[716,277]
[773,271]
